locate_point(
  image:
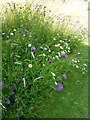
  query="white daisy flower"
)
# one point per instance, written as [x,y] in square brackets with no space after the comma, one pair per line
[29,45]
[49,50]
[61,41]
[30,65]
[11,33]
[79,53]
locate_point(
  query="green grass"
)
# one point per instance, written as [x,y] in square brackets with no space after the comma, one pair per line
[33,26]
[72,102]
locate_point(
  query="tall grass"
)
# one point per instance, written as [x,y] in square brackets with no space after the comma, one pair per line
[30,76]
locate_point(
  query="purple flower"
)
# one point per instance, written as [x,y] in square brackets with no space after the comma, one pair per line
[64,76]
[26,30]
[14,41]
[55,70]
[41,49]
[44,6]
[33,48]
[19,28]
[22,33]
[8,102]
[14,86]
[44,11]
[59,87]
[1,85]
[51,62]
[12,92]
[27,33]
[63,54]
[20,7]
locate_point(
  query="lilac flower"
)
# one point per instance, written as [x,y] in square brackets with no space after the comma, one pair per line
[41,48]
[20,7]
[14,41]
[1,85]
[8,102]
[63,54]
[51,62]
[44,6]
[59,87]
[14,86]
[55,70]
[33,48]
[44,11]
[64,76]
[27,33]
[12,92]
[19,28]
[22,33]
[26,30]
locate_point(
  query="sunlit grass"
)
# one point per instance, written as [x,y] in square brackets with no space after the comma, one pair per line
[34,41]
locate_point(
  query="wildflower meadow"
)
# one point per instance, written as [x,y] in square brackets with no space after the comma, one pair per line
[44,63]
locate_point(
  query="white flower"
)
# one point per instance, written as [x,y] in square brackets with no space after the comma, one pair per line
[30,65]
[44,65]
[77,66]
[45,48]
[76,36]
[57,45]
[78,60]
[68,50]
[44,55]
[49,50]
[3,33]
[53,74]
[83,72]
[7,36]
[61,41]
[85,65]
[11,33]
[54,38]
[29,45]
[59,54]
[79,53]
[14,30]
[61,47]
[75,61]
[57,57]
